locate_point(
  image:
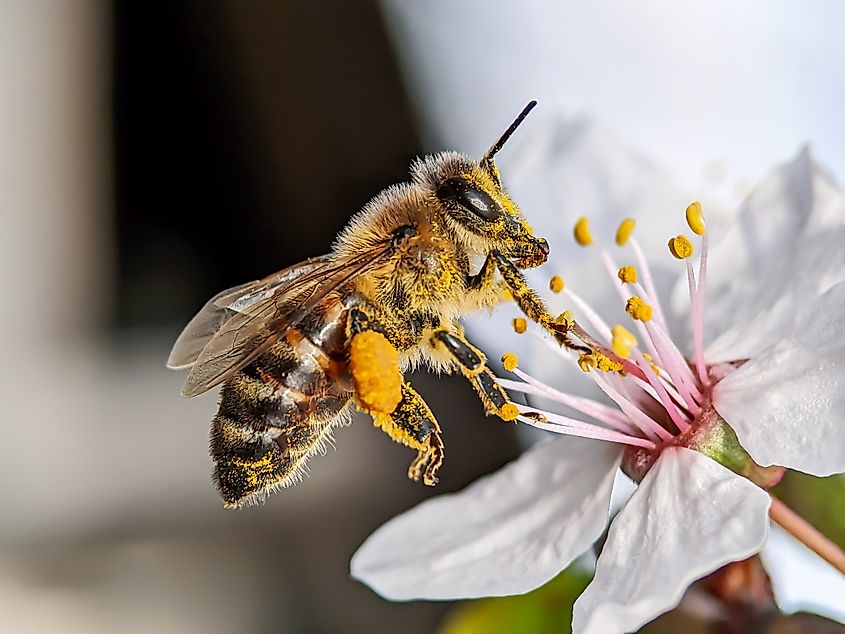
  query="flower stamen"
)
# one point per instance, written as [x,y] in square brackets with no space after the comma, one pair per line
[680,247]
[627,275]
[582,232]
[648,283]
[623,233]
[638,309]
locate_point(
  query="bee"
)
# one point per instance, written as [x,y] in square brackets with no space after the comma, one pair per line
[297,352]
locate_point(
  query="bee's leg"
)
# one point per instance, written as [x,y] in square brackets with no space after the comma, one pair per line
[413,424]
[395,406]
[530,303]
[472,364]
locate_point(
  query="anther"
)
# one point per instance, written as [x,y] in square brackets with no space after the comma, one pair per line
[627,274]
[510,361]
[623,233]
[622,341]
[638,309]
[582,232]
[556,284]
[695,218]
[519,325]
[508,412]
[680,247]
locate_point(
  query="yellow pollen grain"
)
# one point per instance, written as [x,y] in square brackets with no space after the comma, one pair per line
[506,295]
[622,341]
[510,361]
[508,412]
[621,349]
[638,309]
[587,361]
[519,325]
[623,233]
[606,364]
[582,232]
[680,247]
[556,284]
[695,218]
[623,334]
[627,274]
[374,365]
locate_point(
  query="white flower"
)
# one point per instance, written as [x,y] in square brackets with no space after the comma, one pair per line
[774,373]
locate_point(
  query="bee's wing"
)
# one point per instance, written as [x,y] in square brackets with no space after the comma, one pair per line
[220,308]
[254,328]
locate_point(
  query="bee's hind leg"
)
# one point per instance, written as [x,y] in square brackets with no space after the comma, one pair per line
[413,424]
[380,390]
[472,364]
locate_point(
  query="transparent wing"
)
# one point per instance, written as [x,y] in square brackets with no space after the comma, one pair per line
[223,306]
[253,328]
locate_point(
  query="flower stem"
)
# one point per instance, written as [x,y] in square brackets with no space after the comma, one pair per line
[807,534]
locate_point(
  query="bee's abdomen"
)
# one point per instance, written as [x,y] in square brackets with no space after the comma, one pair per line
[280,409]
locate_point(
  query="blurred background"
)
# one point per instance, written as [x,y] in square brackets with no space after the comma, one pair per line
[155,153]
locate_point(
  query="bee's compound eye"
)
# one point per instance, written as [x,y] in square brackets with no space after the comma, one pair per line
[470,198]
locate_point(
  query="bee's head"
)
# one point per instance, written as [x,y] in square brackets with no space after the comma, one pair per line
[476,206]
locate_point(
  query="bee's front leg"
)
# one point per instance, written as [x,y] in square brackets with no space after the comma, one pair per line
[472,364]
[381,391]
[530,303]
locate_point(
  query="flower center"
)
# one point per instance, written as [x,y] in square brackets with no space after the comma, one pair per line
[662,398]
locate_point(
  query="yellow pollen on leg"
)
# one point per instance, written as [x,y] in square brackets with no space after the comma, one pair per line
[582,232]
[623,233]
[627,274]
[680,247]
[374,365]
[695,218]
[510,361]
[556,284]
[519,325]
[638,309]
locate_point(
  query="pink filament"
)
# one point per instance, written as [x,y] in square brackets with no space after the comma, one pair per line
[589,431]
[655,383]
[698,312]
[648,283]
[639,418]
[599,411]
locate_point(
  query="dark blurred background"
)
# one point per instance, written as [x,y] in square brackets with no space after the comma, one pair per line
[209,144]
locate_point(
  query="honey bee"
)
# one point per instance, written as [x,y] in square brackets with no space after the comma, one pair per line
[297,352]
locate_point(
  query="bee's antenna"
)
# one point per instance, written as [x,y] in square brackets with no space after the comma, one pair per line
[488,155]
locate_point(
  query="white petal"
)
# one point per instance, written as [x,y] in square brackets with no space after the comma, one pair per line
[759,306]
[801,580]
[787,406]
[689,516]
[507,533]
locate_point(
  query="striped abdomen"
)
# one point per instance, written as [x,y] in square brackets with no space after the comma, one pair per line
[280,409]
